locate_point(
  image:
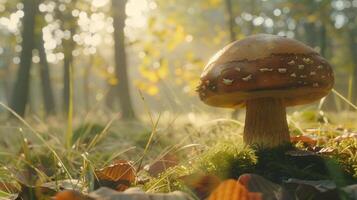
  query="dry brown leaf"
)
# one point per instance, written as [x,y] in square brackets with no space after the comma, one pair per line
[348,135]
[70,195]
[162,164]
[9,187]
[257,183]
[201,184]
[233,190]
[300,153]
[136,194]
[304,139]
[120,175]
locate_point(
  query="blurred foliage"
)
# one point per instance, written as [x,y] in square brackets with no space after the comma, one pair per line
[170,41]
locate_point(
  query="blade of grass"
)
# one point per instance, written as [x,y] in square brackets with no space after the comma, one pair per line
[69,130]
[344,98]
[154,127]
[101,135]
[148,143]
[38,135]
[115,155]
[295,124]
[350,86]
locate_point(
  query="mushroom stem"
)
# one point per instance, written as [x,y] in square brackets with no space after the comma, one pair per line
[265,123]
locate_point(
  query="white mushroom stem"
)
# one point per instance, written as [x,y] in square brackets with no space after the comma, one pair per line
[265,123]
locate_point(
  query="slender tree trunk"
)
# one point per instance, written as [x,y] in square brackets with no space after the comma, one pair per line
[251,8]
[66,82]
[323,41]
[86,83]
[119,17]
[232,36]
[6,80]
[310,34]
[110,97]
[46,84]
[67,62]
[230,21]
[22,85]
[353,49]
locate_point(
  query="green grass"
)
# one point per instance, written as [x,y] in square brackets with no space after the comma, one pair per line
[36,153]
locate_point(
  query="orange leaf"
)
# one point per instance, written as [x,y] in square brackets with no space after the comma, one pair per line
[202,185]
[304,139]
[70,195]
[233,190]
[119,175]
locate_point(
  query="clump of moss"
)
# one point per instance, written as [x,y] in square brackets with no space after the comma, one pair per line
[228,160]
[345,152]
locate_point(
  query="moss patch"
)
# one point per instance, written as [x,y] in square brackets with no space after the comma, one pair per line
[228,160]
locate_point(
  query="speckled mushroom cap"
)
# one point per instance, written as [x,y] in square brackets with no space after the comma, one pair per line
[262,66]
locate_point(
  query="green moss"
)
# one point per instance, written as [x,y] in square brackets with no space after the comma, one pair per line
[227,160]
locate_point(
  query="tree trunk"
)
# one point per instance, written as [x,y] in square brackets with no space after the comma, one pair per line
[119,17]
[353,48]
[6,80]
[67,62]
[310,34]
[46,84]
[66,80]
[110,97]
[230,22]
[22,85]
[232,37]
[86,83]
[330,103]
[323,41]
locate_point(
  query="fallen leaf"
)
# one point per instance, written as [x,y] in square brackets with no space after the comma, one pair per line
[298,153]
[233,190]
[322,185]
[119,176]
[317,190]
[162,164]
[201,184]
[308,141]
[9,187]
[256,183]
[71,195]
[66,184]
[351,190]
[326,150]
[136,194]
[345,136]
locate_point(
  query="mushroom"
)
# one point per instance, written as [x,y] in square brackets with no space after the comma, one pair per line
[271,78]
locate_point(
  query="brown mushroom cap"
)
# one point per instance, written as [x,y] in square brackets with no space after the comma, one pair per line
[263,66]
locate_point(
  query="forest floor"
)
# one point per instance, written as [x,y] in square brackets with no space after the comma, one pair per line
[190,153]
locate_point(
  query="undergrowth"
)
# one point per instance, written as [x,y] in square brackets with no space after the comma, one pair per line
[202,145]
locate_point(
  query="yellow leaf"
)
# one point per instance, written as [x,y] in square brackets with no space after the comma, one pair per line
[152,90]
[113,81]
